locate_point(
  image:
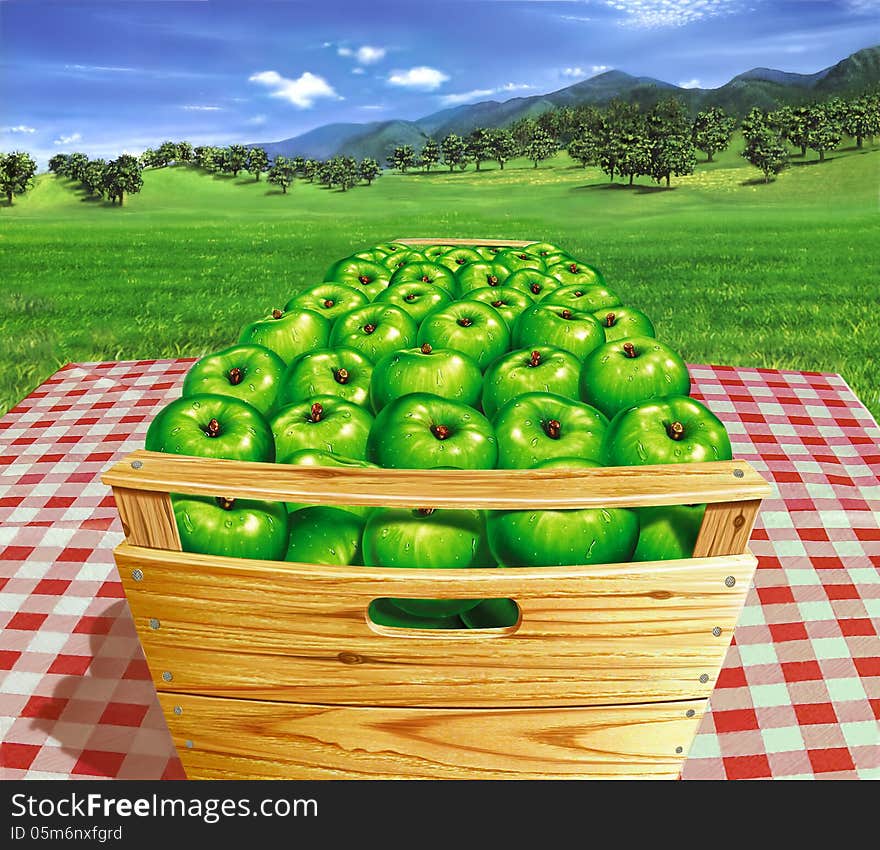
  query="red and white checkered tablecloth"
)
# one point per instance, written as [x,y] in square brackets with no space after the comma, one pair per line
[798,695]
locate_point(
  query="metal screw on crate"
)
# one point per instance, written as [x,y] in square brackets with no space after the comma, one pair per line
[137,464]
[137,575]
[738,473]
[690,712]
[704,678]
[730,581]
[716,631]
[154,623]
[167,677]
[178,710]
[189,745]
[679,750]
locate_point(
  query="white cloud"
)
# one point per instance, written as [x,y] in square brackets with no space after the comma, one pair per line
[68,140]
[366,55]
[115,69]
[668,13]
[420,77]
[20,128]
[256,121]
[476,94]
[690,84]
[577,71]
[301,92]
[192,107]
[358,70]
[344,51]
[598,69]
[375,107]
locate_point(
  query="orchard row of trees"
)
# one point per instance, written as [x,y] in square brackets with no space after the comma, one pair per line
[114,179]
[626,141]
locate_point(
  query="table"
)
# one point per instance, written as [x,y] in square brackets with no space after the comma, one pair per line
[798,695]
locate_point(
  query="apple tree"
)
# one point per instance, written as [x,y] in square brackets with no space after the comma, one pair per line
[478,146]
[235,159]
[310,169]
[58,163]
[861,118]
[17,170]
[184,152]
[122,176]
[502,146]
[430,154]
[766,150]
[166,154]
[299,164]
[257,162]
[345,171]
[669,138]
[712,130]
[540,146]
[369,170]
[454,151]
[76,166]
[281,173]
[583,150]
[403,157]
[93,179]
[823,130]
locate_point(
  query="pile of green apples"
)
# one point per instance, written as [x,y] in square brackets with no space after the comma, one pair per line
[443,356]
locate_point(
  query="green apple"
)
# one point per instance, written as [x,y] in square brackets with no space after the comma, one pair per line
[330,299]
[529,370]
[398,260]
[247,372]
[518,258]
[440,371]
[324,535]
[383,612]
[563,327]
[488,252]
[538,426]
[623,323]
[673,429]
[374,330]
[328,371]
[584,298]
[668,532]
[425,431]
[324,422]
[543,250]
[535,283]
[415,298]
[507,301]
[427,273]
[492,614]
[432,252]
[427,539]
[625,372]
[479,276]
[231,528]
[360,272]
[455,258]
[288,334]
[215,426]
[573,272]
[472,327]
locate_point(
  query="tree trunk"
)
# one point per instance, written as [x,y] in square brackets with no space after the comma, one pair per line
[501,163]
[667,181]
[766,176]
[709,154]
[631,179]
[283,189]
[859,140]
[803,150]
[258,177]
[536,163]
[451,167]
[9,197]
[821,156]
[612,173]
[477,162]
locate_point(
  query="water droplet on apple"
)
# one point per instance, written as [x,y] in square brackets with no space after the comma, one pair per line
[228,523]
[643,455]
[533,442]
[188,524]
[196,405]
[605,515]
[175,430]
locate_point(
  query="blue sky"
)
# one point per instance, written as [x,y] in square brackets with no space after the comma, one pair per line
[122,75]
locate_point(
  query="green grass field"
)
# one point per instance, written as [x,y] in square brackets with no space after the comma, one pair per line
[731,271]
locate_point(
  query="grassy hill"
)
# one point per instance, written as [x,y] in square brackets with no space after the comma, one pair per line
[732,271]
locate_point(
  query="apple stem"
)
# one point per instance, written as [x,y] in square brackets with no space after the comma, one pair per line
[410,296]
[578,293]
[535,359]
[492,280]
[317,412]
[364,279]
[465,322]
[225,502]
[369,328]
[553,428]
[675,430]
[329,302]
[277,314]
[535,288]
[629,350]
[565,314]
[235,376]
[610,320]
[573,268]
[441,432]
[341,376]
[426,279]
[213,429]
[498,303]
[425,511]
[426,348]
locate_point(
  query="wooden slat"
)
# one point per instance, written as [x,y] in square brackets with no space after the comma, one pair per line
[147,518]
[489,243]
[672,484]
[726,528]
[246,739]
[290,632]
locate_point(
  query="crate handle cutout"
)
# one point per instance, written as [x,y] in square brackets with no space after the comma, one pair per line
[463,632]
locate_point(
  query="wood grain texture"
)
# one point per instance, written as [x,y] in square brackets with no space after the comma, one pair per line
[726,528]
[147,518]
[500,243]
[291,632]
[246,739]
[622,486]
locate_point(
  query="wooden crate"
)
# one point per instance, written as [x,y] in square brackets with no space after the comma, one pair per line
[268,669]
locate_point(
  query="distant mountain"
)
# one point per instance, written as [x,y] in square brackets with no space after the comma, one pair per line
[766,88]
